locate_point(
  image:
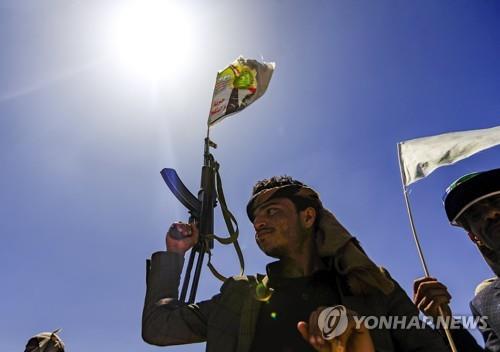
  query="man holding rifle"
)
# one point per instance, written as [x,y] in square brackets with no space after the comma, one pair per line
[319,265]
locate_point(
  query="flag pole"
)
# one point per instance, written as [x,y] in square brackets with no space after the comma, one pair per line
[410,215]
[419,247]
[414,232]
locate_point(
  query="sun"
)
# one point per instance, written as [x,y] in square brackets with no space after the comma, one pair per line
[153,39]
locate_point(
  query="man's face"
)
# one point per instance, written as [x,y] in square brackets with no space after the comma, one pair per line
[279,231]
[483,221]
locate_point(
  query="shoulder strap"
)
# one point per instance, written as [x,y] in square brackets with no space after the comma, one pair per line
[232,227]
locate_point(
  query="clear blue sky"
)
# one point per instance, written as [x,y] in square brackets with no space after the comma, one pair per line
[82,142]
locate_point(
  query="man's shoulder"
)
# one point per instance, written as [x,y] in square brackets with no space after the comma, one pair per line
[484,290]
[240,286]
[244,281]
[486,283]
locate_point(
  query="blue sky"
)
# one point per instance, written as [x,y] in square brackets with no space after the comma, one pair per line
[83,139]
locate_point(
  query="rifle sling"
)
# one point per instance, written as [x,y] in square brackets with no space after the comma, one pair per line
[229,219]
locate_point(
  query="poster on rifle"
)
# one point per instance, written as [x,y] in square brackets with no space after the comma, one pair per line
[239,85]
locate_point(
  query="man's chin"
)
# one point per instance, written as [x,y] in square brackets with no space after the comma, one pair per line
[271,252]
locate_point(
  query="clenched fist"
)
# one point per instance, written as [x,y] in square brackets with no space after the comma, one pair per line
[181,237]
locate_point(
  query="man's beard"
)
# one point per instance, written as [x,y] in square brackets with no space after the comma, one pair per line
[301,239]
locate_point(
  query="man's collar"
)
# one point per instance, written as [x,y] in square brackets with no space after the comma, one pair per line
[274,271]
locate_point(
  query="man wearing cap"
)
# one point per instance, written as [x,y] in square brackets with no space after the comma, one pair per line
[473,203]
[319,265]
[45,342]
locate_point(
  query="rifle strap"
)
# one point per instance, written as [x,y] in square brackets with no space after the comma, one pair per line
[229,219]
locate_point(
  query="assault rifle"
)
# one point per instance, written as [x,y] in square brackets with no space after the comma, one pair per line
[201,210]
[236,87]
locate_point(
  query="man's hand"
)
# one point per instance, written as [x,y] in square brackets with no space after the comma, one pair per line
[429,295]
[353,339]
[181,237]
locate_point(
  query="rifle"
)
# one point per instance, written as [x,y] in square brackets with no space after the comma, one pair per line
[201,210]
[236,87]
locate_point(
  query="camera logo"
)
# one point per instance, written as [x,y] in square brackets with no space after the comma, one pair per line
[332,321]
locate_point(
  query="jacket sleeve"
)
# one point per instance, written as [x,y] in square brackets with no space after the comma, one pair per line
[491,340]
[417,338]
[165,320]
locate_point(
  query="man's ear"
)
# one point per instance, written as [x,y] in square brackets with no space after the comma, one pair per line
[308,216]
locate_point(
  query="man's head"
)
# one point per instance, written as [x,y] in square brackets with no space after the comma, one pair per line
[473,203]
[285,214]
[45,342]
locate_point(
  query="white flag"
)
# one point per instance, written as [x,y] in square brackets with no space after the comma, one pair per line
[419,157]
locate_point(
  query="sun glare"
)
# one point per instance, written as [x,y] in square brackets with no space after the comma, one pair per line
[153,38]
